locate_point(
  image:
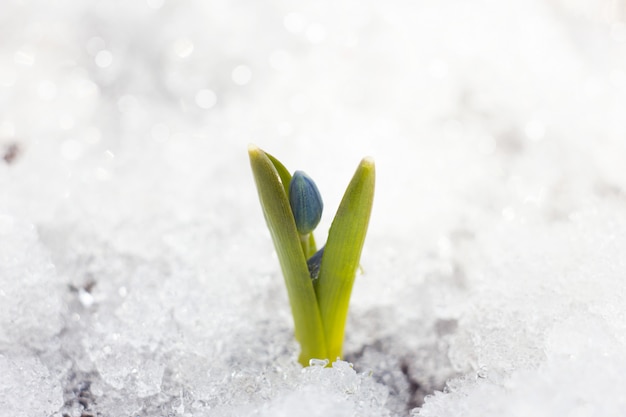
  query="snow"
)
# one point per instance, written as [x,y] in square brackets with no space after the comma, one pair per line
[138,278]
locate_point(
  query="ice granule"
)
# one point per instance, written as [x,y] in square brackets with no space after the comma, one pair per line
[589,385]
[325,391]
[30,290]
[26,387]
[554,341]
[123,367]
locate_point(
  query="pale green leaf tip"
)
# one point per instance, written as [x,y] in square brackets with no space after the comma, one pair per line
[253,149]
[367,162]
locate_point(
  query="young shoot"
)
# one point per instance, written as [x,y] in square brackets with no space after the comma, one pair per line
[319,282]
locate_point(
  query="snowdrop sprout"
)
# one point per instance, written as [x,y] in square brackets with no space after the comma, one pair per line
[291,212]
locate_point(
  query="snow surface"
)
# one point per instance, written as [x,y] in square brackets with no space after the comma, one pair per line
[137,276]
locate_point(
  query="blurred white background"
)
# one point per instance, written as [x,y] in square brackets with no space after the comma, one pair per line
[137,276]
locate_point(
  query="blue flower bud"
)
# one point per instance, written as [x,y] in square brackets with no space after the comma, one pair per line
[314,262]
[306,202]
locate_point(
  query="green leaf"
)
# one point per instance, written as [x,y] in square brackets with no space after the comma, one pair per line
[283,173]
[341,255]
[271,179]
